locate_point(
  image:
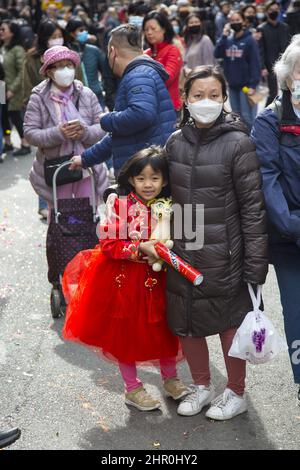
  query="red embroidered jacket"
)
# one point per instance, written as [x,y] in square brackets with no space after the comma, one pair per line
[120,239]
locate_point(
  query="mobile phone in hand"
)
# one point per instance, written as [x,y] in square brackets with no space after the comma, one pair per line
[73,122]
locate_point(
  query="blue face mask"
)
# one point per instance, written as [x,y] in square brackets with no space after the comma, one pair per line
[176,29]
[136,21]
[82,36]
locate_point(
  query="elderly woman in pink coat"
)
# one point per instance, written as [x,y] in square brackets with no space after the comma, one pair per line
[53,103]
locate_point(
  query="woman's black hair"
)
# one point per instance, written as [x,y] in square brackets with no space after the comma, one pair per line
[15,30]
[188,37]
[44,33]
[203,71]
[154,156]
[163,22]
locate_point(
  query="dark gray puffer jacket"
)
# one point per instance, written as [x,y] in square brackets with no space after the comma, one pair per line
[218,168]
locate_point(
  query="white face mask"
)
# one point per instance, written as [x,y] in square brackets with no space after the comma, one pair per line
[205,111]
[55,42]
[296,92]
[64,77]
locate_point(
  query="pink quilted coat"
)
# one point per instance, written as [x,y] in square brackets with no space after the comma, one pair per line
[41,129]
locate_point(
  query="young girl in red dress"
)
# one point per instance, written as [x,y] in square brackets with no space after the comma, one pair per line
[119,304]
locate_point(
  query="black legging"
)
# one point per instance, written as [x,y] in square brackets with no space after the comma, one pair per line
[16,117]
[12,117]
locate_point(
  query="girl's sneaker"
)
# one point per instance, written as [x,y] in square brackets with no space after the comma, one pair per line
[198,397]
[141,400]
[226,406]
[175,389]
[2,157]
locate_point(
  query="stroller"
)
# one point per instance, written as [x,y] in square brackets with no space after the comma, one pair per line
[72,228]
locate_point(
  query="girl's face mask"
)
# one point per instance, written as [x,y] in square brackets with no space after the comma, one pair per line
[55,42]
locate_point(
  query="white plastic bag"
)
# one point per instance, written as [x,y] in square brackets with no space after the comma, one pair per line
[256,340]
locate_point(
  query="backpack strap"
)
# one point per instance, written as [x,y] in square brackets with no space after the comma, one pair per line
[277,108]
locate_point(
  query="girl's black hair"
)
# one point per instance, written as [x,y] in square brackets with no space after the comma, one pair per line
[44,33]
[15,30]
[163,22]
[154,156]
[203,71]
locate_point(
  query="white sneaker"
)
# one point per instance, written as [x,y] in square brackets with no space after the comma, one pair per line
[194,402]
[226,406]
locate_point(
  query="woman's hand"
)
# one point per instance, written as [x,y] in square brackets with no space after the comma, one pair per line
[72,131]
[148,249]
[226,30]
[76,162]
[251,91]
[9,95]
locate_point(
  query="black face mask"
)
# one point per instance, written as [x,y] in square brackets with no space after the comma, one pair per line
[237,27]
[183,14]
[194,29]
[296,4]
[273,15]
[251,18]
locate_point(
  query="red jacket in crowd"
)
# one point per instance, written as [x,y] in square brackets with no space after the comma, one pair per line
[170,57]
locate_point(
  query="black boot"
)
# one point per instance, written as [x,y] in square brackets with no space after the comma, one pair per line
[8,148]
[299,396]
[24,150]
[8,437]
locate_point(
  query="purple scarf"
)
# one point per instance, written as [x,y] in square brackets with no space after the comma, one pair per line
[68,113]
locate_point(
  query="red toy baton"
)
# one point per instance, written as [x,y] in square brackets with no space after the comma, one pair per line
[178,264]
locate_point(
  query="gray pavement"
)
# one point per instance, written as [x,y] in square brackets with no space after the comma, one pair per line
[63,396]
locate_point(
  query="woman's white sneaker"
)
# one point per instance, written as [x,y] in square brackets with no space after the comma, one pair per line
[226,406]
[196,400]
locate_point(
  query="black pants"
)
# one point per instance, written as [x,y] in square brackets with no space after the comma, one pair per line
[273,87]
[16,117]
[10,118]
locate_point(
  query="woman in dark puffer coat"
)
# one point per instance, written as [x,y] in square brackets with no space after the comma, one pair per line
[213,162]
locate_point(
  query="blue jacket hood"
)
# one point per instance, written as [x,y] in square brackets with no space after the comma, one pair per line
[145,60]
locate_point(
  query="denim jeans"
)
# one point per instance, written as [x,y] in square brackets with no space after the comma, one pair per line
[287,267]
[240,104]
[42,203]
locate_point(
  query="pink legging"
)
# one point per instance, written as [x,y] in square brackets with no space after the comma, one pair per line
[197,355]
[129,372]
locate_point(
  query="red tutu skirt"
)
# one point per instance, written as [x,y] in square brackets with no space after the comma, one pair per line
[119,308]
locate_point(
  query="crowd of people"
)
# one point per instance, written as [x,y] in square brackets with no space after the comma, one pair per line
[165,98]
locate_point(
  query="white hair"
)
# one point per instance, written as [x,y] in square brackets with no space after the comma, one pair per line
[285,65]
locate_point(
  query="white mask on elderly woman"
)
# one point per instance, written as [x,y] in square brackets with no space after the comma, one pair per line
[205,111]
[296,92]
[64,77]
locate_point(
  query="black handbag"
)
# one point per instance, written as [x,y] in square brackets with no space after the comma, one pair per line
[64,176]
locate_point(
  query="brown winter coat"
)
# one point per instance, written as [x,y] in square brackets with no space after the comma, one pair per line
[218,168]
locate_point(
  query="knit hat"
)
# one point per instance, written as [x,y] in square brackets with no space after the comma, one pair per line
[57,53]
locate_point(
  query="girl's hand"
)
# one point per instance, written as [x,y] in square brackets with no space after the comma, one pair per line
[109,208]
[251,91]
[76,163]
[148,249]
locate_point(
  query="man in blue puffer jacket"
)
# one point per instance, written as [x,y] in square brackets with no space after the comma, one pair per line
[144,114]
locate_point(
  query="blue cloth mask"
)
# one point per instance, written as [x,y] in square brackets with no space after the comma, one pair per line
[82,36]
